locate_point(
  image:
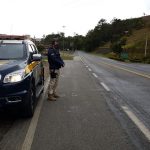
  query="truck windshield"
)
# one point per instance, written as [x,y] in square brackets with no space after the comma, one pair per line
[11,51]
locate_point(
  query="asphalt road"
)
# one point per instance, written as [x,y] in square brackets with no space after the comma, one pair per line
[80,119]
[127,84]
[93,113]
[128,80]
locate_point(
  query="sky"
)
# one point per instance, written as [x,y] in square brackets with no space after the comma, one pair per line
[43,17]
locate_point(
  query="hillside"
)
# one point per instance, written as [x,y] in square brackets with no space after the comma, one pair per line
[135,42]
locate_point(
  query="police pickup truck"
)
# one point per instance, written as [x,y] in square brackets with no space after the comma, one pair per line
[21,74]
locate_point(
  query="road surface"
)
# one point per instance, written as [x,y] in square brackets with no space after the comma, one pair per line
[100,108]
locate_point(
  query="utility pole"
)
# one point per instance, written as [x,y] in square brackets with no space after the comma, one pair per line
[146,46]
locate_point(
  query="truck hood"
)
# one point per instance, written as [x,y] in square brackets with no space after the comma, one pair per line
[3,62]
[7,66]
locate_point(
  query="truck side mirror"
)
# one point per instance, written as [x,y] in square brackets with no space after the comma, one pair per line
[37,57]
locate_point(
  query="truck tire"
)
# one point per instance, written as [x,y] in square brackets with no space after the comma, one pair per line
[30,102]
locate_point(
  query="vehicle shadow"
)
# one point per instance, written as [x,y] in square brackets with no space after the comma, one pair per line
[7,118]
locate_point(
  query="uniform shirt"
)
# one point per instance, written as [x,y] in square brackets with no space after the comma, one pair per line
[54,59]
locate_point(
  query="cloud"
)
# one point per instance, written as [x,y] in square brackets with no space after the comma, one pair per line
[38,17]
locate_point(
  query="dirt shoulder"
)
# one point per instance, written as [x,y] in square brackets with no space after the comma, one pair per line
[46,69]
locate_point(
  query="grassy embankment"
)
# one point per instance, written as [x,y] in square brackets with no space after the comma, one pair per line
[65,55]
[135,45]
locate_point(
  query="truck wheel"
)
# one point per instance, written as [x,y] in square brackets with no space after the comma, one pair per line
[30,102]
[42,84]
[42,78]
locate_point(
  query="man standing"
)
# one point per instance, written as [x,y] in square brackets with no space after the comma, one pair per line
[55,63]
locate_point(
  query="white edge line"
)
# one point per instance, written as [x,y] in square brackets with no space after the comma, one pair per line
[137,122]
[105,86]
[82,60]
[95,75]
[131,115]
[33,124]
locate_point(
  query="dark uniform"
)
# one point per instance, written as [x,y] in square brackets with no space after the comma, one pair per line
[55,63]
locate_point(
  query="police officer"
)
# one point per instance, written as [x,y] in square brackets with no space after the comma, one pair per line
[55,63]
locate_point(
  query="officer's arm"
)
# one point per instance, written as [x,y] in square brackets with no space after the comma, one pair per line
[59,61]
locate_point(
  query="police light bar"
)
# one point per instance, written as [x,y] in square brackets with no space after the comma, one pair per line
[14,37]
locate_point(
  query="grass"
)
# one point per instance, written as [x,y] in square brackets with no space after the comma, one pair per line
[137,39]
[45,59]
[66,55]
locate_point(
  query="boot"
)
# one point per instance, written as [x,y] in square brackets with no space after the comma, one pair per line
[55,95]
[51,97]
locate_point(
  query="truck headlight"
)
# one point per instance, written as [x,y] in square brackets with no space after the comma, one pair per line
[15,76]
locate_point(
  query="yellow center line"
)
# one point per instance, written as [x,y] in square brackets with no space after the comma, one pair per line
[131,71]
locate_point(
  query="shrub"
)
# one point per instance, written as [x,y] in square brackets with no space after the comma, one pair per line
[40,48]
